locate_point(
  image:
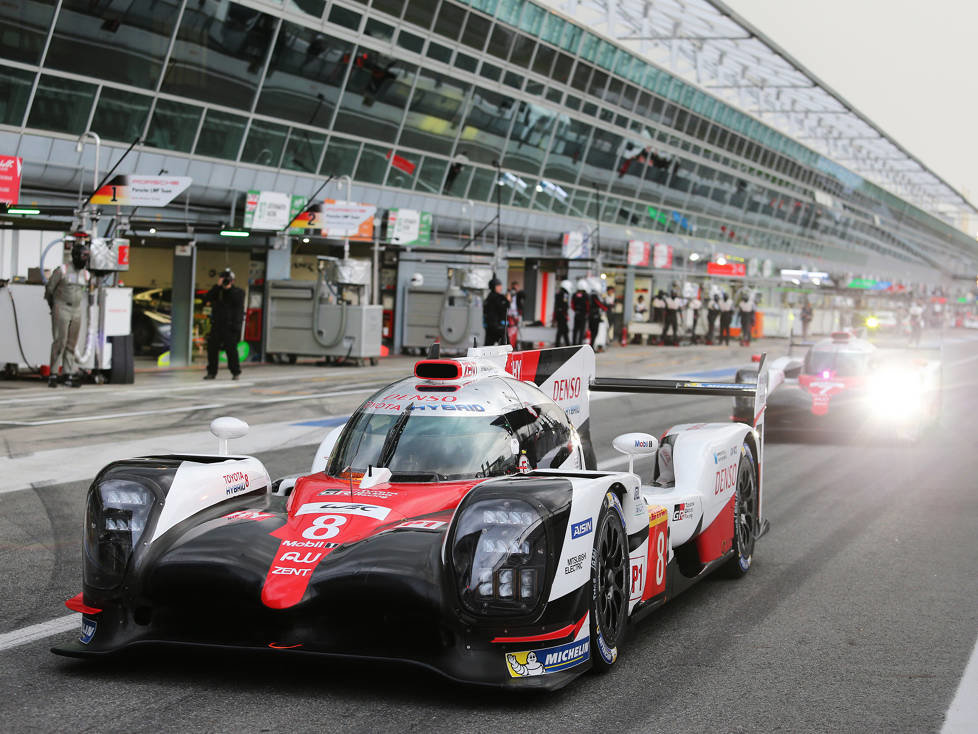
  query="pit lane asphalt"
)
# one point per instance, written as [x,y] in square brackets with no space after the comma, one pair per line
[859,614]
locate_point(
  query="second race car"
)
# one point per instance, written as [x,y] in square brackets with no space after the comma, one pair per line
[456,521]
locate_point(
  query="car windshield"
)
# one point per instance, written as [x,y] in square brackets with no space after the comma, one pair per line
[840,364]
[427,448]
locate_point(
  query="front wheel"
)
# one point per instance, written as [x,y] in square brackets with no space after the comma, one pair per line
[745,516]
[609,585]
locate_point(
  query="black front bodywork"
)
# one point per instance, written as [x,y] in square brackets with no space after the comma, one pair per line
[388,596]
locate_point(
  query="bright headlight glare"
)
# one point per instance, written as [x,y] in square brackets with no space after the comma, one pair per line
[895,395]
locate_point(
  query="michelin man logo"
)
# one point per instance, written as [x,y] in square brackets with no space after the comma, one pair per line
[532,666]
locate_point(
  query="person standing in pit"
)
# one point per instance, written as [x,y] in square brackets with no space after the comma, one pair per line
[227,312]
[659,314]
[561,313]
[671,318]
[579,303]
[596,312]
[695,305]
[614,318]
[806,318]
[712,312]
[494,312]
[65,292]
[746,317]
[726,315]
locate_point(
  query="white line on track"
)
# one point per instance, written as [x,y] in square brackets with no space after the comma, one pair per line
[38,631]
[962,714]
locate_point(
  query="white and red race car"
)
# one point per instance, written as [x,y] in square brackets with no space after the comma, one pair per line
[456,521]
[848,385]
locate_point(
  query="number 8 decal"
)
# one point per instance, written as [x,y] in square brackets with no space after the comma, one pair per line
[324,526]
[660,558]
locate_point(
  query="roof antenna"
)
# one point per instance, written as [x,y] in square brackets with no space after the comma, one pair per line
[434,350]
[475,342]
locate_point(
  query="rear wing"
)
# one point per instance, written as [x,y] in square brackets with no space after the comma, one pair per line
[758,390]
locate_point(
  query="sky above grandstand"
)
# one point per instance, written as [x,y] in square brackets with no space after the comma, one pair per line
[909,66]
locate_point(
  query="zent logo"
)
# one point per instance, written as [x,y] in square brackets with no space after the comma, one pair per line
[579,529]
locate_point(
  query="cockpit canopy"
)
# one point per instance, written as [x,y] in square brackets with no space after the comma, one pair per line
[431,433]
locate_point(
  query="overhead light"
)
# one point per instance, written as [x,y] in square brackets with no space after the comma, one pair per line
[694,256]
[234,233]
[721,260]
[23,210]
[305,240]
[152,230]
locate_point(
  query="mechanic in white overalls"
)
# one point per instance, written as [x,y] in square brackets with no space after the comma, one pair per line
[66,292]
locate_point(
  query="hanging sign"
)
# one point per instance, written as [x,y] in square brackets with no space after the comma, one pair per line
[271,209]
[638,252]
[408,227]
[732,270]
[661,256]
[576,245]
[141,190]
[347,220]
[10,170]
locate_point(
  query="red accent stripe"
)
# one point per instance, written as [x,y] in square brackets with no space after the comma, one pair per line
[568,631]
[76,604]
[544,296]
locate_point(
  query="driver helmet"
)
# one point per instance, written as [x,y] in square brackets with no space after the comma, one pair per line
[567,285]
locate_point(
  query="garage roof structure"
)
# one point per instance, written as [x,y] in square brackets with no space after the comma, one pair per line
[707,43]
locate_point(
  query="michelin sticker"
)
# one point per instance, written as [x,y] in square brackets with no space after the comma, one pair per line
[548,660]
[88,630]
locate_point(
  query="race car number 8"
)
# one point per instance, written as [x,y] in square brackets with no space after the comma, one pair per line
[660,558]
[324,526]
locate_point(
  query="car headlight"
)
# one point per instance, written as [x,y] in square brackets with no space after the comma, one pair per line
[896,395]
[872,322]
[115,520]
[499,555]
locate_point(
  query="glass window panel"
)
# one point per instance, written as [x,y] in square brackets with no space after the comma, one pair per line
[606,55]
[174,126]
[304,76]
[450,20]
[466,62]
[122,42]
[420,13]
[490,71]
[522,51]
[303,150]
[581,76]
[599,80]
[590,108]
[623,64]
[482,187]
[500,41]
[529,138]
[509,11]
[532,19]
[314,8]
[553,28]
[567,149]
[476,31]
[514,80]
[15,88]
[544,60]
[24,28]
[457,178]
[431,176]
[589,47]
[410,41]
[554,95]
[402,169]
[61,105]
[486,6]
[602,158]
[628,96]
[343,17]
[219,62]
[265,143]
[486,125]
[372,166]
[377,29]
[434,113]
[606,115]
[375,97]
[571,39]
[439,53]
[613,94]
[120,115]
[341,157]
[220,136]
[391,7]
[562,68]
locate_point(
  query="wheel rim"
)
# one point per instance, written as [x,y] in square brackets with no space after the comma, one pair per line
[610,597]
[746,511]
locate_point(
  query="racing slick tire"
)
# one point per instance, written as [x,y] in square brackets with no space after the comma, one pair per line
[745,516]
[609,585]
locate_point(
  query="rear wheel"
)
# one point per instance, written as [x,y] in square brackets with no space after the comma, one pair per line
[745,516]
[609,585]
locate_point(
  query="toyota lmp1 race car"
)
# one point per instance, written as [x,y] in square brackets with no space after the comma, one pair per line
[848,385]
[456,521]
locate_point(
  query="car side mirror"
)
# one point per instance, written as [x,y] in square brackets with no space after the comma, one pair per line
[635,444]
[226,428]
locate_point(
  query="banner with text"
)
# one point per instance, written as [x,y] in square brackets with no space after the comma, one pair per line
[272,210]
[661,255]
[10,170]
[141,190]
[576,245]
[638,252]
[408,227]
[346,220]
